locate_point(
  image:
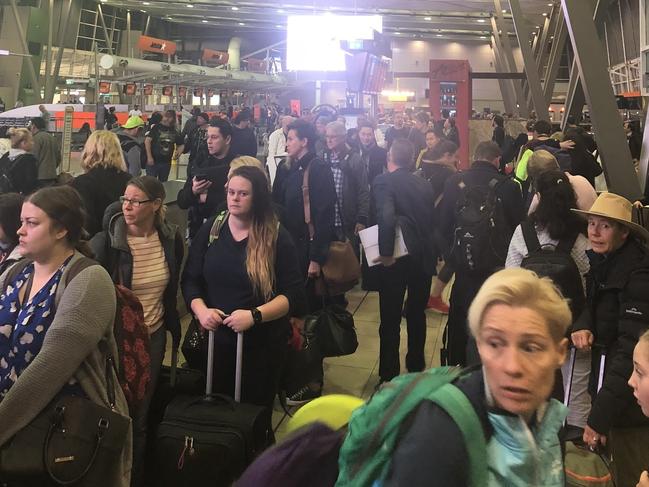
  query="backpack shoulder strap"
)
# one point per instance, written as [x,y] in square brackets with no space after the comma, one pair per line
[455,403]
[75,269]
[531,238]
[568,243]
[219,221]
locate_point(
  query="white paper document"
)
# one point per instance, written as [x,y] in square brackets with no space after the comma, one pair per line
[370,240]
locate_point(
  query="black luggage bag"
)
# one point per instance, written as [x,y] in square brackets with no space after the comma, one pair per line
[211,439]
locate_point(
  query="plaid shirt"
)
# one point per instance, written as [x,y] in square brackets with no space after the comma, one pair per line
[337,172]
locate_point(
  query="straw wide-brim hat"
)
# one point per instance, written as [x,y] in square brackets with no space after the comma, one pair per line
[617,208]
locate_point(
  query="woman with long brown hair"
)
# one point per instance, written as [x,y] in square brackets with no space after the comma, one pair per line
[242,275]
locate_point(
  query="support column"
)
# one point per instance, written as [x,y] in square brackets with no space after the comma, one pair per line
[531,71]
[48,53]
[607,123]
[50,88]
[575,97]
[508,58]
[109,44]
[505,85]
[33,76]
[558,45]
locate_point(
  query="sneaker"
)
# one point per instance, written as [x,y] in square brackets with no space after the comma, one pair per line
[302,396]
[436,304]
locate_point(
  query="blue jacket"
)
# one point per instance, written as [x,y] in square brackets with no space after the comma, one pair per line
[431,452]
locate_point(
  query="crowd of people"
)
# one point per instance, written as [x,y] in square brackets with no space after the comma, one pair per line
[259,237]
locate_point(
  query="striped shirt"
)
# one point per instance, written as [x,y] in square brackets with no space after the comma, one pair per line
[150,277]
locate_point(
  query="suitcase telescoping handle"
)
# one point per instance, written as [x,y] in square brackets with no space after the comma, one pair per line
[210,367]
[572,360]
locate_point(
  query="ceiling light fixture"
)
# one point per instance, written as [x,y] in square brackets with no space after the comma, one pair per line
[550,5]
[242,23]
[398,33]
[504,11]
[143,11]
[440,35]
[235,8]
[280,10]
[428,18]
[279,26]
[189,5]
[146,3]
[482,21]
[545,14]
[204,21]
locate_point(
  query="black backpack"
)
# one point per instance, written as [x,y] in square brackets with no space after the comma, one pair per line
[555,262]
[6,168]
[482,235]
[127,143]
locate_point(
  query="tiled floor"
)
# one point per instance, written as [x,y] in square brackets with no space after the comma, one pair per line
[357,374]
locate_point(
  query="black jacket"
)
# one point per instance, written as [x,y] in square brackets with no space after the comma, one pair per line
[244,141]
[287,192]
[217,170]
[375,159]
[431,451]
[480,174]
[22,172]
[111,250]
[98,188]
[403,199]
[617,313]
[356,191]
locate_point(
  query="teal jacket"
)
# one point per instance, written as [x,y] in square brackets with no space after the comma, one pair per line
[431,451]
[524,456]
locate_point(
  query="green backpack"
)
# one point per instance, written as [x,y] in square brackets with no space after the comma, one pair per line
[366,454]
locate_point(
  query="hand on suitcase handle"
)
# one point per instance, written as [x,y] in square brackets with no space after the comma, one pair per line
[583,339]
[240,320]
[210,318]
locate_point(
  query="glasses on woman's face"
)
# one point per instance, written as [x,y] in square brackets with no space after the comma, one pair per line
[134,203]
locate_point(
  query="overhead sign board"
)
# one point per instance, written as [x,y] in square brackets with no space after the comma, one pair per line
[151,44]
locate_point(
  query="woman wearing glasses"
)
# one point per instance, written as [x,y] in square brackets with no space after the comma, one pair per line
[143,252]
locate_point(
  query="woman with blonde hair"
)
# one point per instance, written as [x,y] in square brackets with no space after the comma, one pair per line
[242,275]
[19,168]
[105,176]
[519,322]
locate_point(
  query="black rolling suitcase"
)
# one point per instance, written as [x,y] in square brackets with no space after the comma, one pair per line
[210,440]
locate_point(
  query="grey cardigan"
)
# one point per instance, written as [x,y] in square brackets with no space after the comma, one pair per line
[84,317]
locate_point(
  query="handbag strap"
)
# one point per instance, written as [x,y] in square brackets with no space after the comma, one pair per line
[307,202]
[55,422]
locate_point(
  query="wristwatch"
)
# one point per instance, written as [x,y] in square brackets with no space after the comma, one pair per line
[256,316]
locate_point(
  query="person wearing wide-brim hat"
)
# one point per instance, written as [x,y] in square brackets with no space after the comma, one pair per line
[616,314]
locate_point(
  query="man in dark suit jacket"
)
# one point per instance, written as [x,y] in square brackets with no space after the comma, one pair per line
[405,200]
[483,170]
[374,157]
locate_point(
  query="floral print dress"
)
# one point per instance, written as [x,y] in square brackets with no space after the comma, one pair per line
[23,327]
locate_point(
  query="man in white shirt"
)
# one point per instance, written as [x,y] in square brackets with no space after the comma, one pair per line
[136,112]
[277,146]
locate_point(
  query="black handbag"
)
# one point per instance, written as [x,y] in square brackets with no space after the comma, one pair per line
[194,346]
[71,440]
[330,332]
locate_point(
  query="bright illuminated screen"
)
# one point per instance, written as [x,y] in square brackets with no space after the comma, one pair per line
[313,41]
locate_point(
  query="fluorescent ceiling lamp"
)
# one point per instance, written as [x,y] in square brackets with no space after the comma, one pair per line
[4,52]
[324,32]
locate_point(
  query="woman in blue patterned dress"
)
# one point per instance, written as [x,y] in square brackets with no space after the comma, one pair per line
[56,320]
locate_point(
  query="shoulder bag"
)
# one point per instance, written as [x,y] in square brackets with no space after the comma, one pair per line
[71,440]
[342,270]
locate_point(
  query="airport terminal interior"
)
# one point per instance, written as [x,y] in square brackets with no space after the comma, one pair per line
[300,243]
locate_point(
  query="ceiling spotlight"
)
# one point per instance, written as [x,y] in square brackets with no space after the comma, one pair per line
[279,26]
[545,14]
[204,21]
[398,33]
[440,35]
[143,11]
[550,5]
[235,8]
[146,3]
[504,11]
[189,5]
[242,23]
[483,37]
[280,10]
[482,21]
[428,18]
